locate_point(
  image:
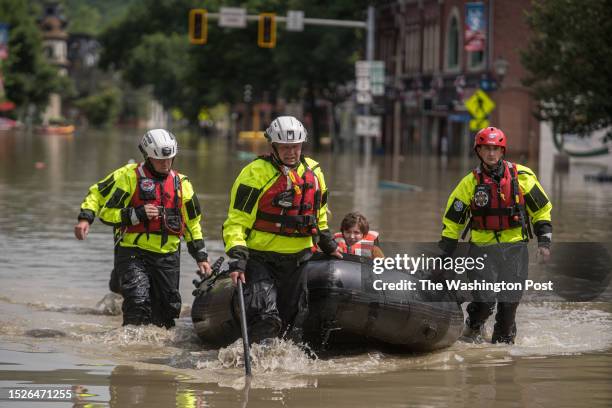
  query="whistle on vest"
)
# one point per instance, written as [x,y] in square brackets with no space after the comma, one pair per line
[284,199]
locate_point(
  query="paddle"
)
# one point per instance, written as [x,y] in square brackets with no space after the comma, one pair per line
[243,329]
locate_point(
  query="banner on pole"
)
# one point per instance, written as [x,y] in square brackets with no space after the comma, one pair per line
[475,27]
[4,32]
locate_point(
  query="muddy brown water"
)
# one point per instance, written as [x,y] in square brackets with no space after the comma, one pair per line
[54,332]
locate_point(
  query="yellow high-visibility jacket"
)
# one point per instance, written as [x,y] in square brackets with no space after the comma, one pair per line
[250,185]
[538,206]
[100,192]
[118,213]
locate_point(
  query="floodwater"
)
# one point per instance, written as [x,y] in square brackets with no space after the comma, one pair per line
[56,330]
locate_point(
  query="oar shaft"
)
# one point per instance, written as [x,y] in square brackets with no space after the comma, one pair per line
[243,329]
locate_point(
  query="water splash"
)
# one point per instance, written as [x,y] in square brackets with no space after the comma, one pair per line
[278,355]
[556,329]
[110,304]
[143,335]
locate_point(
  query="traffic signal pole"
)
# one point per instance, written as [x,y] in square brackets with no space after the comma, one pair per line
[307,21]
[368,25]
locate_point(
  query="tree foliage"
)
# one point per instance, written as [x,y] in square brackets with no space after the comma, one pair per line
[28,77]
[569,58]
[315,60]
[101,109]
[94,16]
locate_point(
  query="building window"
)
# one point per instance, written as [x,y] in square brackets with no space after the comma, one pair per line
[453,42]
[413,49]
[431,50]
[476,60]
[48,52]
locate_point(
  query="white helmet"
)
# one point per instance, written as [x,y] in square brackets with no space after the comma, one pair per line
[286,129]
[158,144]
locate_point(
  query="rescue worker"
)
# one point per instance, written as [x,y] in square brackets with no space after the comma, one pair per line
[278,206]
[356,237]
[498,201]
[94,200]
[154,206]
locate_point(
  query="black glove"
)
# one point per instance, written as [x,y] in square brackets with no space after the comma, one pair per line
[197,249]
[241,255]
[447,245]
[543,230]
[326,242]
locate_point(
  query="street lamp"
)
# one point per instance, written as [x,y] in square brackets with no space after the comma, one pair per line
[500,65]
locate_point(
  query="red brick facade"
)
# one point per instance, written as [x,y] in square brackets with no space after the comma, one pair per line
[430,83]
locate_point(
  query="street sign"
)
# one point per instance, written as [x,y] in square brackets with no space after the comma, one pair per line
[377,71]
[460,117]
[370,77]
[377,78]
[378,89]
[364,97]
[477,124]
[367,125]
[363,84]
[479,104]
[234,17]
[295,20]
[362,69]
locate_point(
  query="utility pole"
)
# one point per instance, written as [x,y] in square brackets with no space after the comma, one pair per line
[397,106]
[367,148]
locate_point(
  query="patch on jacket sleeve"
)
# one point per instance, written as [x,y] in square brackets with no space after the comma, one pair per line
[246,197]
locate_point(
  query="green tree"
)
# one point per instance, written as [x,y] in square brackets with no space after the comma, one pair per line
[568,60]
[101,109]
[28,77]
[84,19]
[311,63]
[159,60]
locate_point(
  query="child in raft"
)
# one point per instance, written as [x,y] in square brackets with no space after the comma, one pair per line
[356,238]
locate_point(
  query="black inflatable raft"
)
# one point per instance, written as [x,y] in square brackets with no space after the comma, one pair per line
[345,309]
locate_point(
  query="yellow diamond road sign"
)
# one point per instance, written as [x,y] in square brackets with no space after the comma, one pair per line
[477,124]
[479,104]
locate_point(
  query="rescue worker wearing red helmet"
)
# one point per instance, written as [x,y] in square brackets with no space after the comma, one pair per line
[497,202]
[277,212]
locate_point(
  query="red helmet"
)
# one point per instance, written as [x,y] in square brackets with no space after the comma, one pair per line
[491,136]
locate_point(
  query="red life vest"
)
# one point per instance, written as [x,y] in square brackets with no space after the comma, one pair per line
[497,207]
[166,194]
[361,248]
[290,207]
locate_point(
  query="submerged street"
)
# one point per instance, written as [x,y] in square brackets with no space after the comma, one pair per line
[56,330]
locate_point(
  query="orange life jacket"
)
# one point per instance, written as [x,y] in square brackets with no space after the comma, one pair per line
[291,205]
[361,248]
[165,194]
[497,207]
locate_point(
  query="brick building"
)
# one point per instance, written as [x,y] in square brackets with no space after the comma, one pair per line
[430,74]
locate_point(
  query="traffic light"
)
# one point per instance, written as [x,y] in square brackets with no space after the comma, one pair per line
[198,26]
[266,33]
